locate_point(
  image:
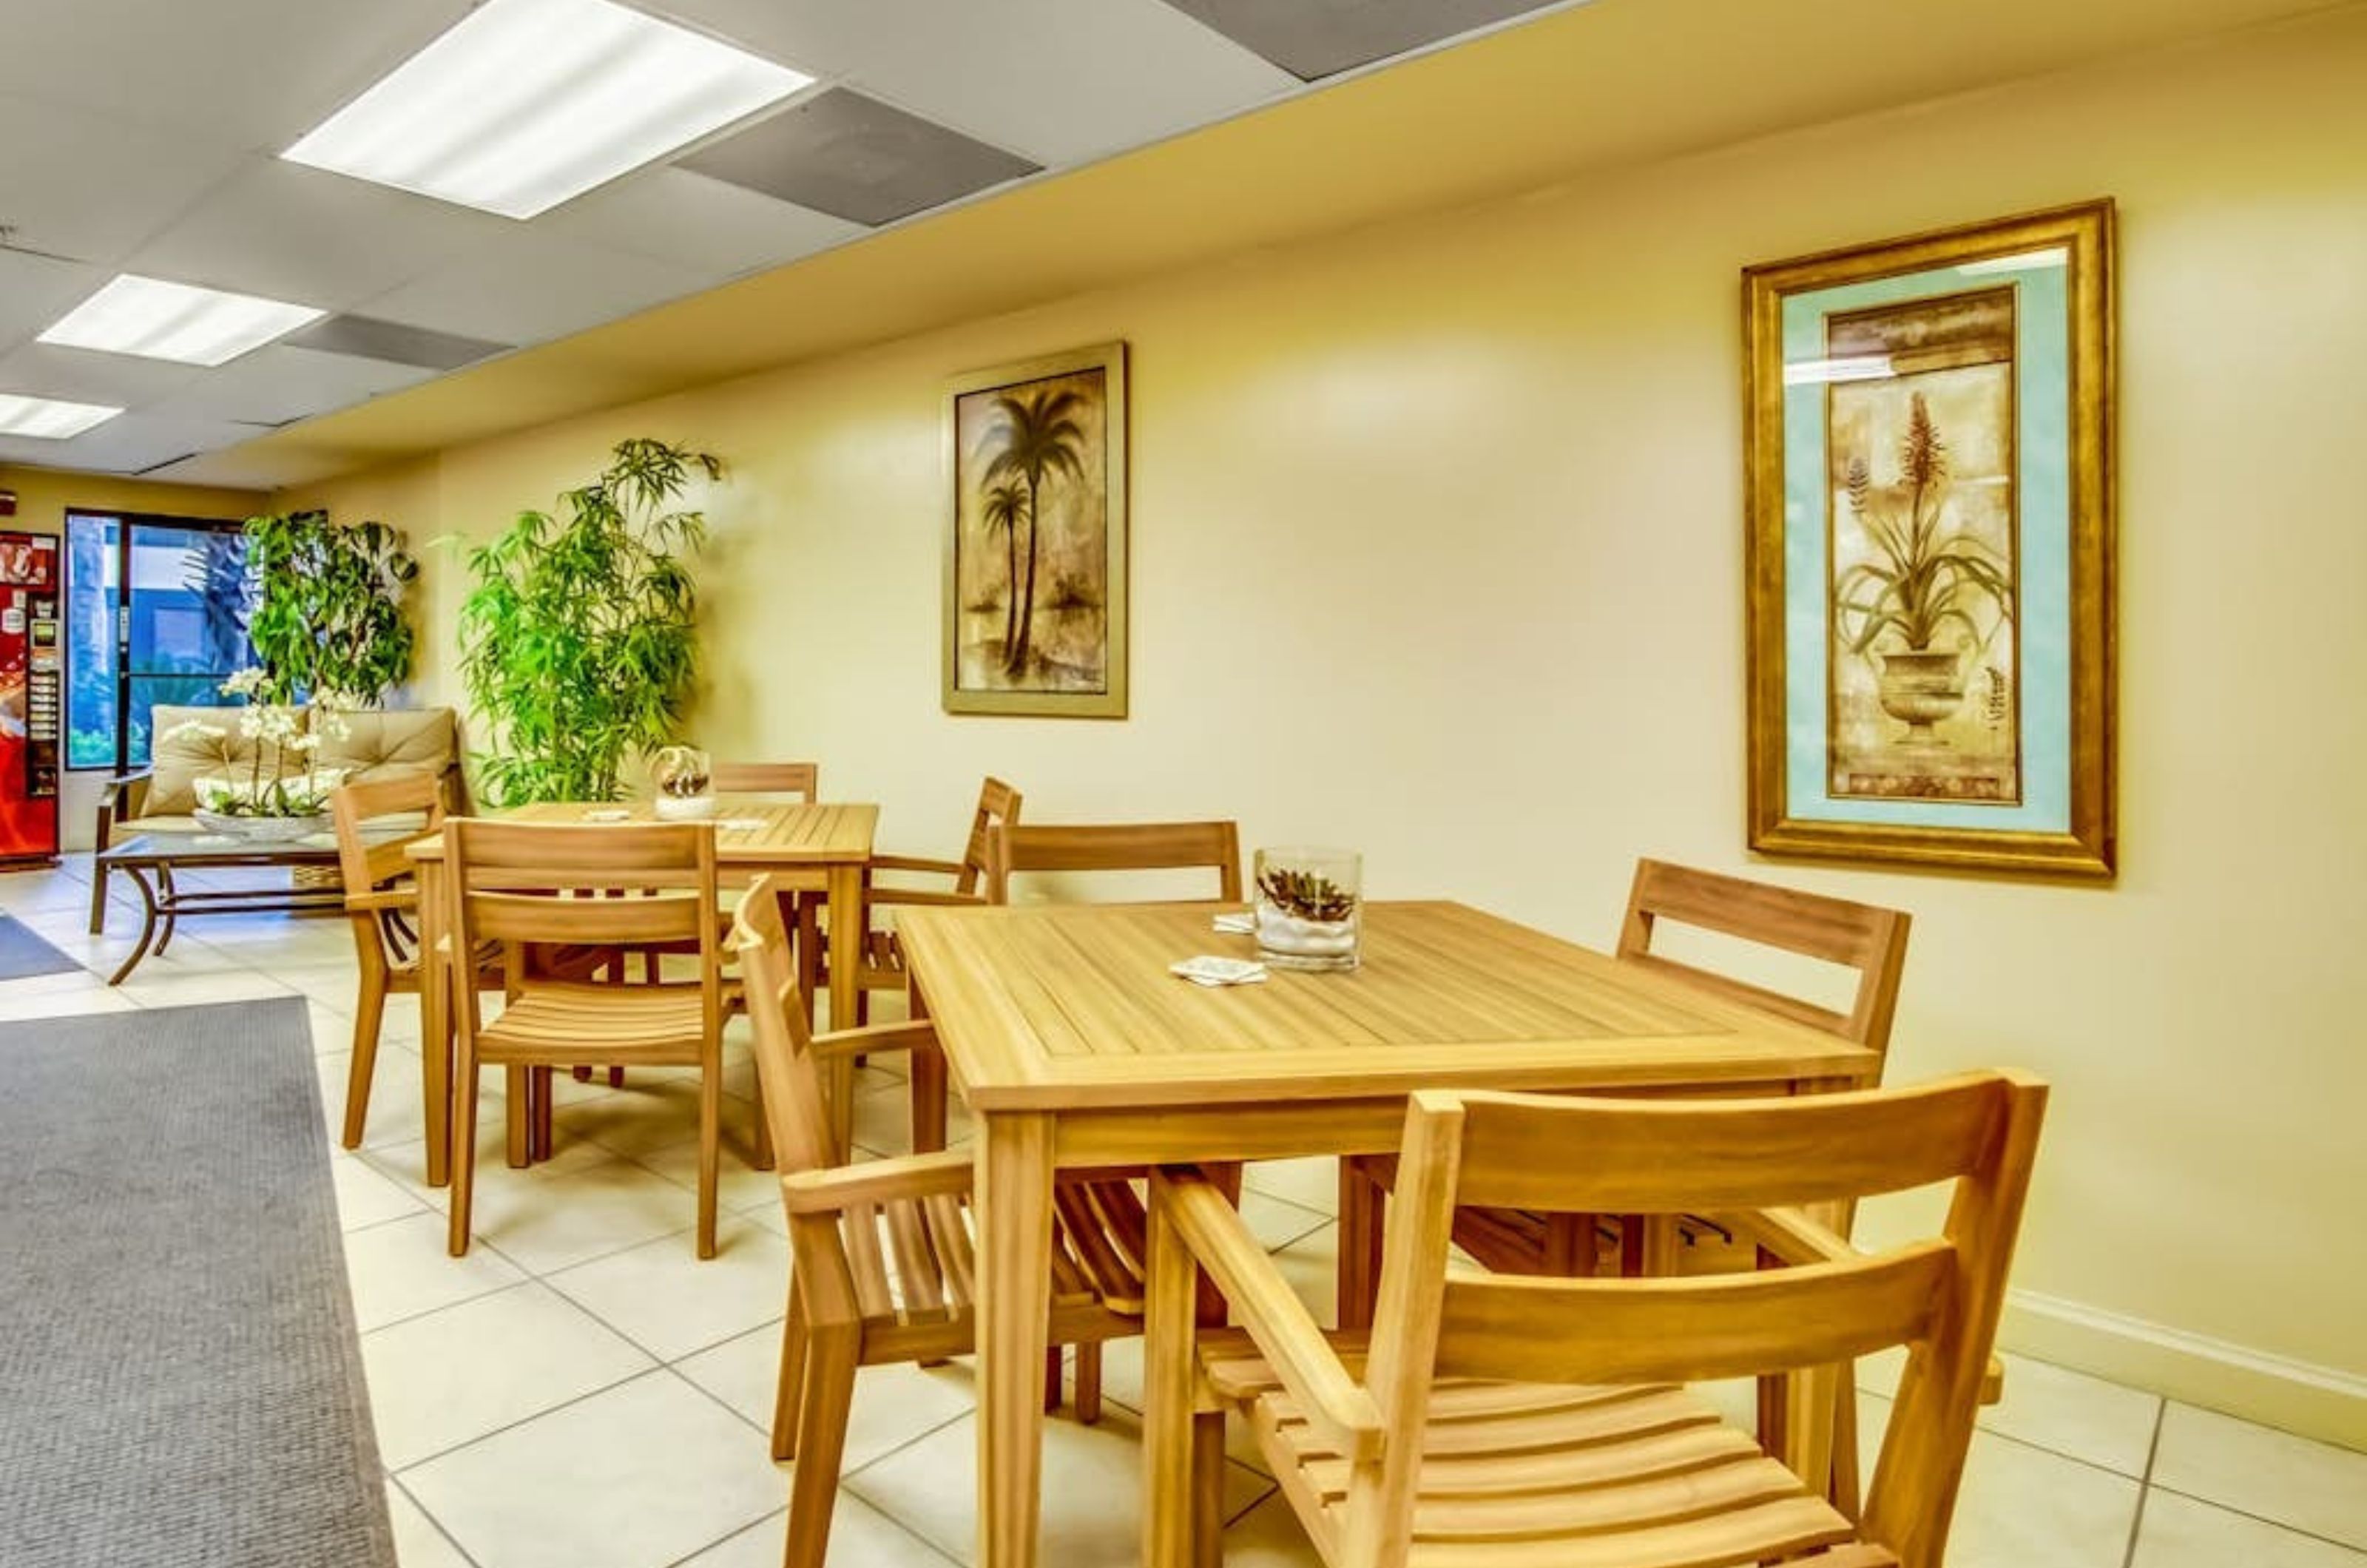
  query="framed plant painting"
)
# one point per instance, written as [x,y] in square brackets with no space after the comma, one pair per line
[1931,549]
[1035,587]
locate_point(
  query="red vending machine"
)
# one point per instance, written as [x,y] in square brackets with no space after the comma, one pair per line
[31,695]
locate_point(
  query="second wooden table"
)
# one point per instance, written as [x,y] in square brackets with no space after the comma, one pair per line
[818,848]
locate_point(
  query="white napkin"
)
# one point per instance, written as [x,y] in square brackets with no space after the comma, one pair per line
[1209,970]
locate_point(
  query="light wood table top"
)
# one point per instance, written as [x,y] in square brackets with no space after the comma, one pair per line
[781,835]
[1076,1048]
[1072,1006]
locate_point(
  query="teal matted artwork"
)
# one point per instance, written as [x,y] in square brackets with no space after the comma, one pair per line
[1931,549]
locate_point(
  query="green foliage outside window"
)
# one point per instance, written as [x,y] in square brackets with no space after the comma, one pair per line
[579,642]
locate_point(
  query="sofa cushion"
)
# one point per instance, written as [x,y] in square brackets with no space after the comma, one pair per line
[393,743]
[176,762]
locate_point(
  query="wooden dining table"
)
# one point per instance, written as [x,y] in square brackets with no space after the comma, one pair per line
[819,848]
[1075,1047]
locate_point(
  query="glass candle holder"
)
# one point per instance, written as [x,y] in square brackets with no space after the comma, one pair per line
[681,776]
[1310,908]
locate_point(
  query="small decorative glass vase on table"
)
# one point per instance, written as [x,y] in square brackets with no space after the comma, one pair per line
[1310,908]
[683,776]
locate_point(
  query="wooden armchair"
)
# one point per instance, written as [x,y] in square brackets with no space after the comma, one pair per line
[586,888]
[1495,1422]
[884,1262]
[382,900]
[878,952]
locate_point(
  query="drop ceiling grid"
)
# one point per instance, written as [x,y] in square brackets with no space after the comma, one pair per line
[109,156]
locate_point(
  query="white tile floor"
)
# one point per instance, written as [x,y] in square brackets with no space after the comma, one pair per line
[581,1392]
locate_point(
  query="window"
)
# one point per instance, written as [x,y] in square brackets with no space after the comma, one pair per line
[156,613]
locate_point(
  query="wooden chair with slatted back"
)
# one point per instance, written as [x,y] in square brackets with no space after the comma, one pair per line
[381,897]
[612,886]
[883,1267]
[800,779]
[1539,1422]
[882,956]
[1115,846]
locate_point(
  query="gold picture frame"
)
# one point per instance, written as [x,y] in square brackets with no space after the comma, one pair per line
[1929,551]
[1035,582]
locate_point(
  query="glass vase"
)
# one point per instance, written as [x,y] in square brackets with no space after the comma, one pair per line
[1310,908]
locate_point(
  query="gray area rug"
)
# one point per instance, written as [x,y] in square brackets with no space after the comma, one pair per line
[180,1382]
[24,955]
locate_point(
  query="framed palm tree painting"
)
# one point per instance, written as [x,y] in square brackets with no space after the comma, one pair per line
[1035,584]
[1931,549]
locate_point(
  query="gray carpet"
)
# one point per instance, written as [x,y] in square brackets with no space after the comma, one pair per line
[24,955]
[180,1384]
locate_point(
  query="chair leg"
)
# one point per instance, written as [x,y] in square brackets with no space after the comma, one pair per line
[710,1133]
[1846,1496]
[788,1402]
[539,1105]
[1172,1529]
[616,1078]
[518,1111]
[822,1443]
[1052,1389]
[370,1014]
[464,1146]
[1089,1383]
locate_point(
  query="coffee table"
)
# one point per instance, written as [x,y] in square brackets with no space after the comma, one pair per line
[152,859]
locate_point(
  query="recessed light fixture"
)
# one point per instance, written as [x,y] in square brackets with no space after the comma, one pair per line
[156,320]
[49,418]
[526,103]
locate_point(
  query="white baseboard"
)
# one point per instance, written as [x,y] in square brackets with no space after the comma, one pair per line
[2295,1396]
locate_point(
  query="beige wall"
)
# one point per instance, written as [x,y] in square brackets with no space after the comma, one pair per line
[44,496]
[1437,552]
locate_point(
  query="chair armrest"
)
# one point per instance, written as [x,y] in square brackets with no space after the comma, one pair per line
[877,1181]
[916,863]
[123,798]
[877,1037]
[383,898]
[1793,1237]
[1796,1239]
[1285,1332]
[879,897]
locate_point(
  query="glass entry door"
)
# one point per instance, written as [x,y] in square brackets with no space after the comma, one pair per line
[156,613]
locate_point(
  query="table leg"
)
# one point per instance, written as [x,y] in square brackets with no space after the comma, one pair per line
[927,1072]
[1014,1290]
[168,898]
[435,1024]
[847,932]
[147,925]
[1364,1210]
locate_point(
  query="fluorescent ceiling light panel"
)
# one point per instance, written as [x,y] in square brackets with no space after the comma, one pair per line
[49,418]
[526,103]
[156,320]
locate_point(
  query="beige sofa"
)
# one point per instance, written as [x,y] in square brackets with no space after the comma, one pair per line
[387,743]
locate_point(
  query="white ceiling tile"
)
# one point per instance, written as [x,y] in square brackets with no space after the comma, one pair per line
[276,384]
[129,444]
[36,290]
[672,215]
[78,184]
[288,232]
[119,380]
[246,74]
[532,287]
[1058,81]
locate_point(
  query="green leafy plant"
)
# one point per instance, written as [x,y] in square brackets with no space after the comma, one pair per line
[1925,577]
[579,642]
[328,612]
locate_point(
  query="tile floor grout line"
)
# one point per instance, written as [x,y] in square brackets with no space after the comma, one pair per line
[2357,1551]
[2144,1484]
[573,1400]
[433,1522]
[2033,1446]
